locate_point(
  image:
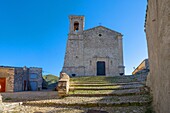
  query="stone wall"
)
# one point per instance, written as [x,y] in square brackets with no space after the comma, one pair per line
[102,48]
[21,75]
[39,79]
[18,78]
[157,28]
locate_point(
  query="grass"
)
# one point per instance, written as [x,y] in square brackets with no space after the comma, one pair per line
[8,98]
[50,79]
[149,109]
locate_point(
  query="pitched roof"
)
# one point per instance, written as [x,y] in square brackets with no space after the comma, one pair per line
[103,28]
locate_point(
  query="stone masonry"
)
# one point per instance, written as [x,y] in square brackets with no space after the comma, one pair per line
[20,79]
[63,85]
[157,29]
[143,67]
[92,52]
[38,79]
[8,74]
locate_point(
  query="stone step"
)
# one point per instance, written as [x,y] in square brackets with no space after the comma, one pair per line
[104,84]
[121,104]
[108,101]
[101,82]
[102,95]
[103,79]
[106,87]
[107,92]
[79,109]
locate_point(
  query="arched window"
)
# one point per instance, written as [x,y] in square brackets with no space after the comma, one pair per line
[76,26]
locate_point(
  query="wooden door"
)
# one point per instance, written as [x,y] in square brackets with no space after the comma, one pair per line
[2,84]
[100,68]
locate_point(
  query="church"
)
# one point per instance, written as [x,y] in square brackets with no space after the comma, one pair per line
[93,52]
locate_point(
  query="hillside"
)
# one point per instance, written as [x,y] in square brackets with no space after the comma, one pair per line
[50,81]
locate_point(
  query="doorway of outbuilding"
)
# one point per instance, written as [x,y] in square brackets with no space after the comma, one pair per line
[2,84]
[34,85]
[25,85]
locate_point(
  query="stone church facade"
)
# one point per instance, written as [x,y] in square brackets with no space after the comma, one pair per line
[93,52]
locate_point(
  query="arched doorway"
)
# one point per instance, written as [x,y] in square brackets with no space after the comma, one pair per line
[101,68]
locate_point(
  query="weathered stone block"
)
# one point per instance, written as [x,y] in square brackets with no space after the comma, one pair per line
[63,85]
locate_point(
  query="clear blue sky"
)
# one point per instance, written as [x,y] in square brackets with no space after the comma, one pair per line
[33,33]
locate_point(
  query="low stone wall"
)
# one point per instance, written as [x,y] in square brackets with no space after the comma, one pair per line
[63,85]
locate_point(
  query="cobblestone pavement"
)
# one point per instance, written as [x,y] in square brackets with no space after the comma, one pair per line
[34,109]
[28,96]
[107,99]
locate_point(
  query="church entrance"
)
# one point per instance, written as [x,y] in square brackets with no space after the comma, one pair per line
[100,68]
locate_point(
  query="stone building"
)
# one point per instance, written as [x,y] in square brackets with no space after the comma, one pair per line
[15,79]
[142,68]
[92,52]
[157,27]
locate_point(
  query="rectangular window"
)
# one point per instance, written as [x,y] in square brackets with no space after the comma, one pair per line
[33,76]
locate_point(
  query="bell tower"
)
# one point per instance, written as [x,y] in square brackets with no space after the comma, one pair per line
[73,61]
[76,24]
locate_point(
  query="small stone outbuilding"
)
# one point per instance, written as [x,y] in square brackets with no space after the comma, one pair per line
[93,52]
[15,79]
[143,67]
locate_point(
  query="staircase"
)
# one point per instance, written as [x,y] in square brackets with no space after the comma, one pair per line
[104,95]
[109,92]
